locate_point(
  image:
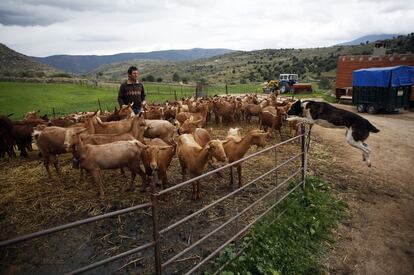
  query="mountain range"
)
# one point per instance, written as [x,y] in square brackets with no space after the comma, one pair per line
[81,64]
[195,65]
[369,38]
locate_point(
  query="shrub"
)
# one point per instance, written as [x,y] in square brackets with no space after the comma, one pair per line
[325,84]
[61,75]
[149,78]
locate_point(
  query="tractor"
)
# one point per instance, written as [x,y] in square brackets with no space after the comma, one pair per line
[290,82]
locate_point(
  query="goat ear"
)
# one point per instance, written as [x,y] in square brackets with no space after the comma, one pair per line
[225,141]
[165,147]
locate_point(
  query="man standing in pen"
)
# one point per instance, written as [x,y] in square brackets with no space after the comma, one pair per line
[132,91]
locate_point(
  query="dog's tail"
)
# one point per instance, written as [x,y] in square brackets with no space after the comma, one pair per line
[372,128]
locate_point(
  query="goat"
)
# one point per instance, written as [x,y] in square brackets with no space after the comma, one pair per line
[236,147]
[156,159]
[51,143]
[120,154]
[194,158]
[158,128]
[271,120]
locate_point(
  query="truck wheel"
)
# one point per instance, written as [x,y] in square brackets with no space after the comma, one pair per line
[284,88]
[361,108]
[371,109]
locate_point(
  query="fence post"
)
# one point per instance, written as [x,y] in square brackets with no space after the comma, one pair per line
[227,92]
[54,113]
[304,152]
[99,103]
[175,93]
[155,231]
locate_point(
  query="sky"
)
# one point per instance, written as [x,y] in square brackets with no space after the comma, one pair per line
[84,27]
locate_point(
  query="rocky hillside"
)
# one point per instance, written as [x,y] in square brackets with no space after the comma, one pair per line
[14,64]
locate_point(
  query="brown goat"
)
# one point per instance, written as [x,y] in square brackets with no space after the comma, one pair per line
[158,128]
[273,121]
[157,158]
[120,154]
[252,110]
[236,148]
[51,143]
[194,158]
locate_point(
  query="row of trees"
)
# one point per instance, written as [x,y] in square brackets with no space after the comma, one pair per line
[175,78]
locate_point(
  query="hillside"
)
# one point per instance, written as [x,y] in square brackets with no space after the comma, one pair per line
[237,67]
[369,38]
[14,64]
[253,66]
[86,63]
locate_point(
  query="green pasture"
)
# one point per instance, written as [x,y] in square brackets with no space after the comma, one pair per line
[60,99]
[19,98]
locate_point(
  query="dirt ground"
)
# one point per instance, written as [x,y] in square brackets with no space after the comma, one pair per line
[378,238]
[30,202]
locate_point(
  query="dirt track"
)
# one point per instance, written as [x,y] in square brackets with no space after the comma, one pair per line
[378,238]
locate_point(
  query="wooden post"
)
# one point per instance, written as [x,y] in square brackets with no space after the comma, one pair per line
[54,113]
[227,92]
[99,103]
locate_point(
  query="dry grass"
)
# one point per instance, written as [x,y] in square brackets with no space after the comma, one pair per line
[29,202]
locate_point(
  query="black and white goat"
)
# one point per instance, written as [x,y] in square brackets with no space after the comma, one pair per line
[326,115]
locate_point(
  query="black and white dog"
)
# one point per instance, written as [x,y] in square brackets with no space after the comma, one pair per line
[326,115]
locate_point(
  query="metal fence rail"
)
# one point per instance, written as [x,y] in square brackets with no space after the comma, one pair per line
[153,204]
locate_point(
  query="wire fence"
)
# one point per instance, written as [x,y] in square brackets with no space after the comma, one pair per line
[166,260]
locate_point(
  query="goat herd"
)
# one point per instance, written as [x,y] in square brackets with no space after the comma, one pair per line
[103,140]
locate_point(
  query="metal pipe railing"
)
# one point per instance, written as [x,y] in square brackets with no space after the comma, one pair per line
[229,221]
[71,225]
[215,252]
[244,248]
[227,196]
[226,166]
[111,259]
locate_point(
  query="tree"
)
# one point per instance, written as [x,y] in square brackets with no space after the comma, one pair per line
[159,79]
[325,84]
[150,78]
[176,77]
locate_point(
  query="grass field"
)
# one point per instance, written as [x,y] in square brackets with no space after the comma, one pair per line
[21,97]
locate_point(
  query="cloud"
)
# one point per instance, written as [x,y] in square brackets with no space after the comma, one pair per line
[46,27]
